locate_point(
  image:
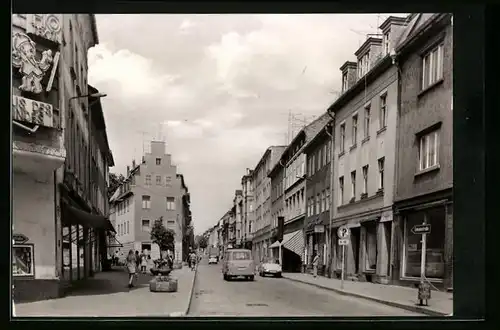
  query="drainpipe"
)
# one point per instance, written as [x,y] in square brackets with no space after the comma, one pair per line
[330,243]
[395,62]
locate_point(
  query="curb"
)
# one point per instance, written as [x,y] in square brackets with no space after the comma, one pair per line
[410,308]
[191,291]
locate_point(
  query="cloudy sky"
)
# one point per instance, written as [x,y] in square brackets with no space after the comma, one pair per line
[217,88]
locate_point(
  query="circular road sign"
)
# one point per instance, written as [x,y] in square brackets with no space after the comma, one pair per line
[343,232]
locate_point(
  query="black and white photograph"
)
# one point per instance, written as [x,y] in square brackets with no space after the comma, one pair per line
[245,165]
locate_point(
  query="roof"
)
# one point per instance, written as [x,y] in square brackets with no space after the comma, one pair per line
[393,20]
[183,183]
[368,42]
[320,135]
[416,23]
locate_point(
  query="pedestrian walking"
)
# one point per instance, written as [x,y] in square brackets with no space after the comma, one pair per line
[315,263]
[131,267]
[192,259]
[144,263]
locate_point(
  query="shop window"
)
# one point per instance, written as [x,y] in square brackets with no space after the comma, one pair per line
[22,260]
[371,247]
[435,244]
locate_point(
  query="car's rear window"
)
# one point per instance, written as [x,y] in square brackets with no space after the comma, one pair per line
[240,255]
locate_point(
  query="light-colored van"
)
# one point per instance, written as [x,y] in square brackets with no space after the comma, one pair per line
[238,262]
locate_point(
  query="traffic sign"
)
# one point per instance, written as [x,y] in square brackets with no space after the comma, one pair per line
[19,238]
[343,232]
[343,241]
[421,229]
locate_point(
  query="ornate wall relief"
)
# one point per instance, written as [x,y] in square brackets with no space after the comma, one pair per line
[24,57]
[47,26]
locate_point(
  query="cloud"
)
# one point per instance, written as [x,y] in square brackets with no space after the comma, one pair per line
[218,88]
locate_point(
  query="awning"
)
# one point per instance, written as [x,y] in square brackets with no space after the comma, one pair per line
[294,242]
[74,216]
[114,242]
[275,245]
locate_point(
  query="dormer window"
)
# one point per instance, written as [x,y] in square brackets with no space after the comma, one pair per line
[344,81]
[364,65]
[386,43]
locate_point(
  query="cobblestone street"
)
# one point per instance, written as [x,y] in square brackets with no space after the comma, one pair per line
[275,297]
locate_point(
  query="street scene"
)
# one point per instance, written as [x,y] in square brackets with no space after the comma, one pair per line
[232,165]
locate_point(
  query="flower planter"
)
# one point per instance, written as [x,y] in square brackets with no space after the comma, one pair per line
[163,284]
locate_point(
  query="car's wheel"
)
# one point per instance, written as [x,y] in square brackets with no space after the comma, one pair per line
[278,275]
[225,277]
[251,278]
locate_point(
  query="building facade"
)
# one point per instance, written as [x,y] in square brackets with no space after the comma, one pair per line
[238,212]
[365,134]
[56,122]
[248,209]
[262,188]
[153,190]
[291,249]
[424,164]
[318,198]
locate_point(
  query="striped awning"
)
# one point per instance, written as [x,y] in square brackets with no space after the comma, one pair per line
[294,242]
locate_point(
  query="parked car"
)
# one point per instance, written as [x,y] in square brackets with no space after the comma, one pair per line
[270,267]
[238,263]
[212,260]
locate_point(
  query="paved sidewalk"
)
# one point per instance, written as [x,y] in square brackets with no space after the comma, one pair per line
[441,303]
[107,295]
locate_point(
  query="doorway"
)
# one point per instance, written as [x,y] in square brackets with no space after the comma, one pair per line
[145,248]
[388,239]
[355,241]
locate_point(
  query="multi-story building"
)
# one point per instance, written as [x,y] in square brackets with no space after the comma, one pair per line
[294,161]
[248,209]
[262,188]
[225,230]
[153,189]
[238,211]
[277,176]
[187,230]
[424,164]
[365,135]
[318,197]
[57,120]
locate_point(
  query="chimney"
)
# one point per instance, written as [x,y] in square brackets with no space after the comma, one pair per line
[128,170]
[133,163]
[348,70]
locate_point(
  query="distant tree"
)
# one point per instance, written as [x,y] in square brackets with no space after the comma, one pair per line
[165,238]
[203,242]
[114,182]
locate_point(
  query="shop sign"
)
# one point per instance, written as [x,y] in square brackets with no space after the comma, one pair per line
[343,242]
[31,111]
[421,229]
[47,26]
[319,228]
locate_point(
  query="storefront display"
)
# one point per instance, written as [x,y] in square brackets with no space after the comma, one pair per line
[22,260]
[371,246]
[435,243]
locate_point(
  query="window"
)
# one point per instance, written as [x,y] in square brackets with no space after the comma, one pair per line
[146,225]
[381,164]
[354,129]
[344,81]
[240,255]
[428,150]
[158,180]
[127,204]
[170,203]
[386,43]
[158,161]
[327,205]
[434,267]
[383,111]
[148,180]
[127,228]
[328,152]
[432,67]
[341,190]
[365,179]
[323,201]
[146,202]
[313,164]
[367,120]
[353,184]
[342,138]
[371,246]
[318,204]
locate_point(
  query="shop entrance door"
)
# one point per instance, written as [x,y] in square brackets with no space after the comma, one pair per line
[355,241]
